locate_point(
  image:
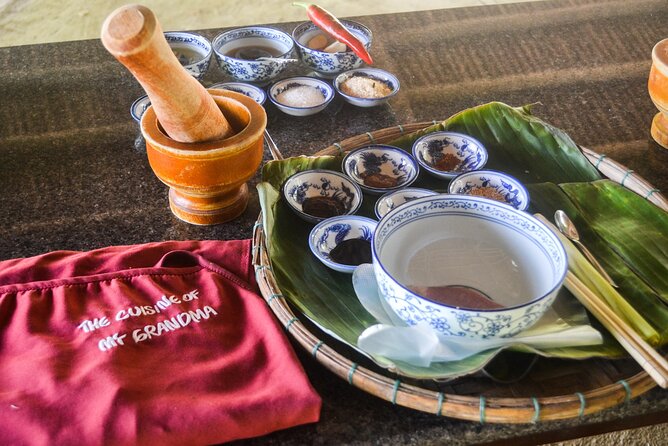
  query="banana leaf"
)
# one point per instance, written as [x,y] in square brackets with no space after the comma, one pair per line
[518,143]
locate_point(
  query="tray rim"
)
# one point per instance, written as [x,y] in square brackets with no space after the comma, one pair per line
[482,409]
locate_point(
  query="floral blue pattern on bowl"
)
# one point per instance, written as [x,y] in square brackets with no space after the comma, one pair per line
[375,74]
[255,93]
[396,198]
[192,50]
[370,164]
[321,183]
[307,85]
[329,64]
[447,154]
[139,106]
[459,240]
[261,70]
[508,189]
[327,234]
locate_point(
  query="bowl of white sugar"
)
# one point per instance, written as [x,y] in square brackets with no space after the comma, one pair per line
[301,96]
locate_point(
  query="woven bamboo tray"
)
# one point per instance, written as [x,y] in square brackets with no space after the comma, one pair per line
[559,390]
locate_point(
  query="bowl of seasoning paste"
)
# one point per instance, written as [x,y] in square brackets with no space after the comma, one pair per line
[315,195]
[448,154]
[366,87]
[344,242]
[380,168]
[493,185]
[301,96]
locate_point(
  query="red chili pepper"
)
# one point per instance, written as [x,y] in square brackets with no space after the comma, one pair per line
[332,26]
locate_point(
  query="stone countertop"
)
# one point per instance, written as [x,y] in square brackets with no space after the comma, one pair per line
[74,173]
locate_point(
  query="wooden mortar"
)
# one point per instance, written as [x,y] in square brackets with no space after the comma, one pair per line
[207,180]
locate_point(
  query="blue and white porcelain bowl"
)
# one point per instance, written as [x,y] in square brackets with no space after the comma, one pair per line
[255,93]
[327,234]
[301,96]
[369,75]
[396,198]
[329,65]
[492,184]
[319,183]
[139,106]
[379,168]
[192,50]
[447,154]
[423,248]
[253,53]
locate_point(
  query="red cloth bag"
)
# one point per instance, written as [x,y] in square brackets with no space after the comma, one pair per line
[164,343]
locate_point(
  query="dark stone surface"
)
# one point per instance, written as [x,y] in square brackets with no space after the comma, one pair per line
[74,176]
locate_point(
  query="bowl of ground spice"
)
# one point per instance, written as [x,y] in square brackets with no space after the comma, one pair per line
[301,96]
[318,194]
[366,87]
[447,154]
[344,242]
[379,168]
[493,185]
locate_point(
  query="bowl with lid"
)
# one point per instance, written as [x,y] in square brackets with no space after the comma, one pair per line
[468,266]
[317,194]
[380,168]
[446,154]
[342,243]
[366,87]
[301,95]
[253,53]
[192,50]
[322,54]
[491,184]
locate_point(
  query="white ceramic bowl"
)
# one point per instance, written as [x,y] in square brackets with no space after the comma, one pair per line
[327,234]
[460,240]
[329,65]
[240,53]
[491,184]
[367,164]
[139,106]
[447,154]
[362,76]
[192,50]
[255,93]
[301,96]
[396,198]
[309,184]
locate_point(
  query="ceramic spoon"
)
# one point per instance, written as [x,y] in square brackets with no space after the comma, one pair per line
[567,228]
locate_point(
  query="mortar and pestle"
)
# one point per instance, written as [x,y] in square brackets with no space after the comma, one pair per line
[204,145]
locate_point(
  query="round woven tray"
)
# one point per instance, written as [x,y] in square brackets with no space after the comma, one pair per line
[560,389]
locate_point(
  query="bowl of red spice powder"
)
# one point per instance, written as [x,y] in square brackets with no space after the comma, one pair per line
[447,154]
[379,168]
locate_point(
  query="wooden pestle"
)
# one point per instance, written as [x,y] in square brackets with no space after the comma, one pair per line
[186,111]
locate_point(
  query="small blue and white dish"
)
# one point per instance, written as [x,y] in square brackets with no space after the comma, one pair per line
[139,106]
[253,53]
[301,96]
[492,184]
[366,87]
[192,50]
[329,65]
[329,233]
[318,194]
[255,93]
[379,168]
[396,198]
[447,154]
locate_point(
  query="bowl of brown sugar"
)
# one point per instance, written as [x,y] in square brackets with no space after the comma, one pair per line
[366,87]
[491,184]
[447,154]
[380,168]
